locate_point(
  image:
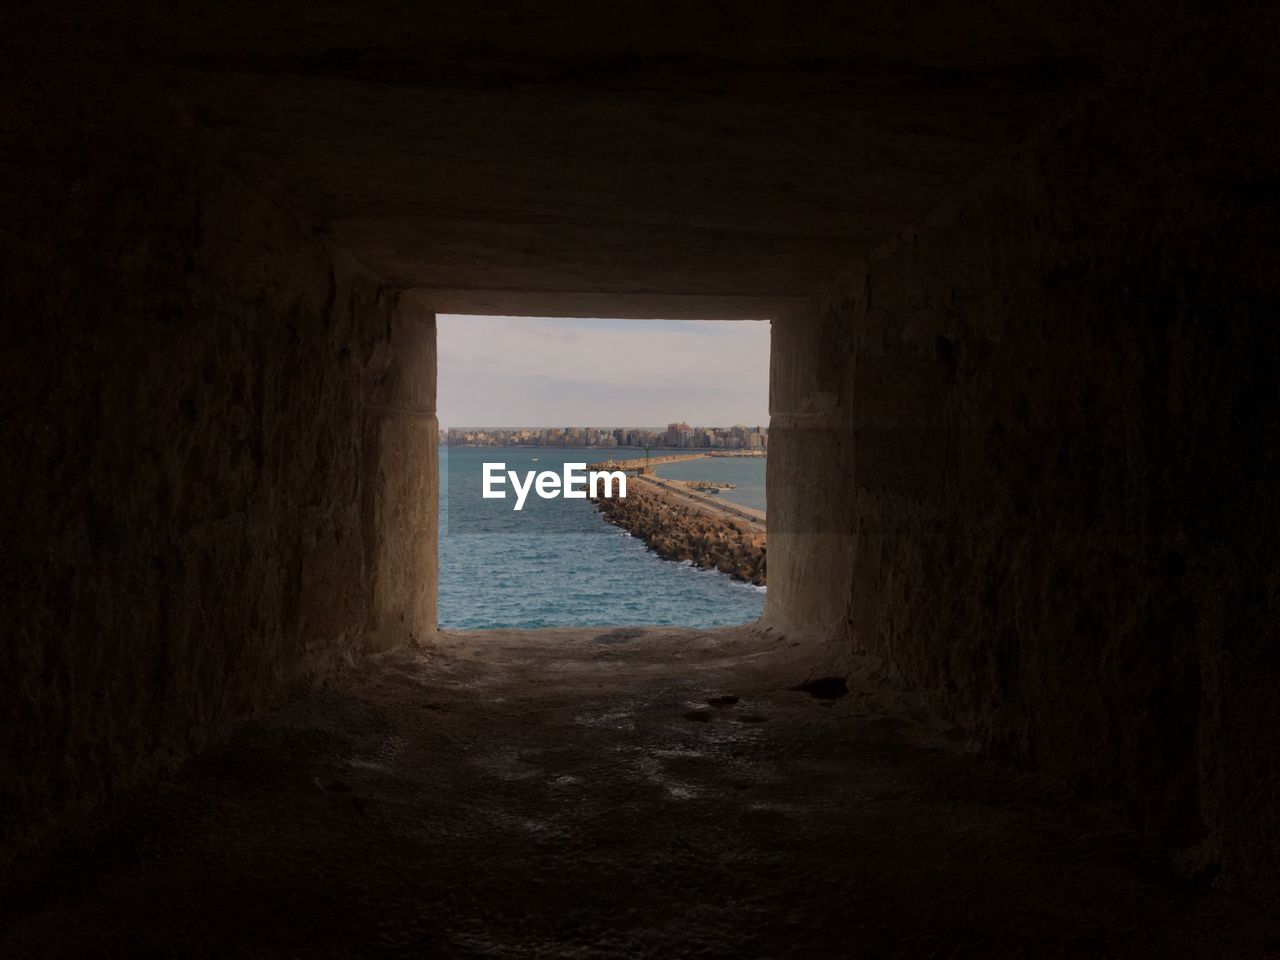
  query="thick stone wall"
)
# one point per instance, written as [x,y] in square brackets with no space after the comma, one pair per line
[219,450]
[1027,455]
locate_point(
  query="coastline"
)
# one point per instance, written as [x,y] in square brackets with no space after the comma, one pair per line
[677,526]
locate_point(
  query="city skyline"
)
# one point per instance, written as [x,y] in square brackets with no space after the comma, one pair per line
[597,426]
[675,435]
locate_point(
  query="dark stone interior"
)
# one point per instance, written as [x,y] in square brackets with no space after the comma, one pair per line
[1022,266]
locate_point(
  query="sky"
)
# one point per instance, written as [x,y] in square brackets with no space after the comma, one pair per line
[552,372]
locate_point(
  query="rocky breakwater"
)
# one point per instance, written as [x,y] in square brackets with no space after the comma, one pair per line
[676,531]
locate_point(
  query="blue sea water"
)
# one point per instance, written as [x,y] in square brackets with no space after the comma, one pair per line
[557,563]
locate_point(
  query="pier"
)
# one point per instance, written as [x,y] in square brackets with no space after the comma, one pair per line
[644,466]
[714,506]
[682,491]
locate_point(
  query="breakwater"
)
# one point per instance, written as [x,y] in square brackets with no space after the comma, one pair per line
[706,486]
[646,465]
[681,531]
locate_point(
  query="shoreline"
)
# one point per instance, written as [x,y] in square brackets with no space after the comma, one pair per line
[646,471]
[680,528]
[715,505]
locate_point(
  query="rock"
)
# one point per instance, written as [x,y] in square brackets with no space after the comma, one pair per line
[676,532]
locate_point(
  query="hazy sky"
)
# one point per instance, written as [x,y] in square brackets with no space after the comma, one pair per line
[550,372]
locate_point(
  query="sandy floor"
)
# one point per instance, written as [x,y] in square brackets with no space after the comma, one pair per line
[599,794]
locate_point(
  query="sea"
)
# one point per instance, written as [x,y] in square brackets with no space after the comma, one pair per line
[557,563]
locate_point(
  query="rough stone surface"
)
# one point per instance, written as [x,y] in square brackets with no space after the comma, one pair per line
[642,158]
[1049,410]
[218,437]
[678,531]
[627,794]
[1023,453]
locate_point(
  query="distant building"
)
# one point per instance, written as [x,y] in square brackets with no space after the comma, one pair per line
[678,435]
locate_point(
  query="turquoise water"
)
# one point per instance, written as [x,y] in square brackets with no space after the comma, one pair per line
[557,563]
[746,472]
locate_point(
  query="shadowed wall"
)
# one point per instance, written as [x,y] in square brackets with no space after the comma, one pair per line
[1023,451]
[219,449]
[1048,415]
